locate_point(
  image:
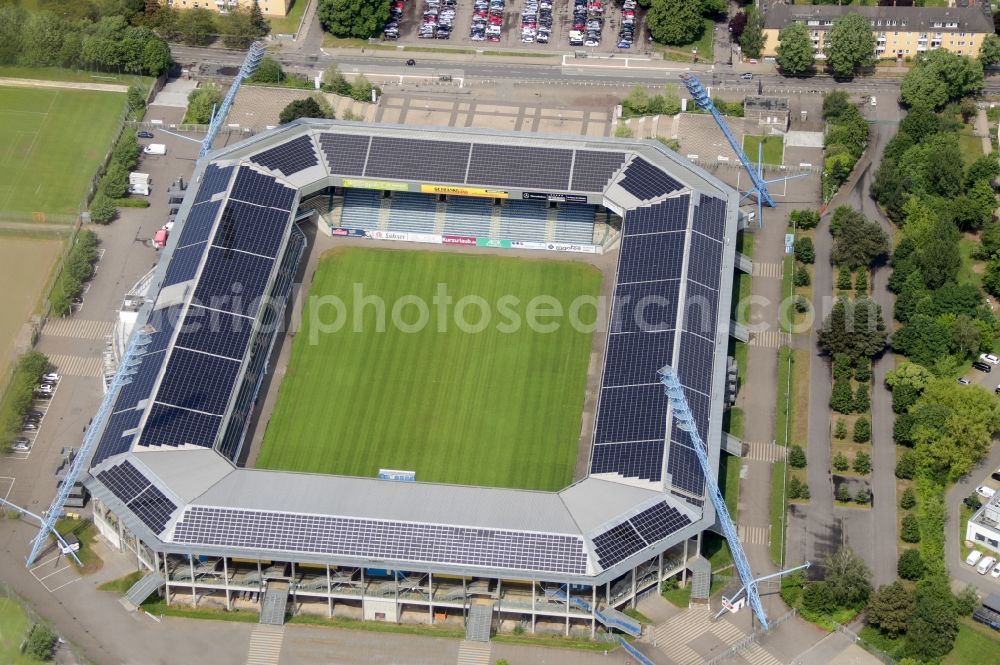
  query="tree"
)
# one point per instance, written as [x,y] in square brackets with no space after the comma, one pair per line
[353,18]
[840,431]
[156,57]
[840,462]
[858,242]
[862,434]
[238,29]
[136,100]
[752,39]
[850,45]
[269,71]
[910,566]
[891,607]
[361,89]
[801,277]
[201,101]
[861,282]
[794,488]
[843,366]
[805,252]
[906,466]
[843,493]
[301,108]
[855,328]
[818,599]
[989,51]
[795,50]
[863,495]
[849,578]
[844,280]
[863,370]
[804,219]
[737,24]
[126,151]
[675,22]
[842,397]
[862,462]
[835,103]
[196,27]
[920,123]
[102,210]
[862,402]
[260,24]
[909,530]
[966,601]
[909,374]
[334,81]
[941,76]
[114,184]
[908,499]
[41,641]
[797,457]
[986,167]
[933,624]
[42,39]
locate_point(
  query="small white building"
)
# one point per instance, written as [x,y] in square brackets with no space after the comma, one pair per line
[984,527]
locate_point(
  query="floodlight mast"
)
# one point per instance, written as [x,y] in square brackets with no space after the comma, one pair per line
[254,55]
[126,370]
[685,421]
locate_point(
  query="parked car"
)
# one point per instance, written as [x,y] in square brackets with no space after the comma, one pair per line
[985,565]
[21,447]
[974,557]
[985,491]
[982,367]
[964,381]
[144,135]
[746,76]
[51,376]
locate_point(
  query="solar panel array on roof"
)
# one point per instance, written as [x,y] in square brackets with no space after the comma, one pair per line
[710,217]
[592,169]
[173,426]
[659,521]
[417,159]
[617,544]
[520,166]
[152,507]
[161,324]
[113,439]
[124,481]
[632,413]
[345,153]
[198,381]
[682,464]
[214,180]
[251,228]
[233,281]
[184,263]
[289,157]
[645,181]
[142,381]
[198,224]
[380,540]
[215,332]
[261,189]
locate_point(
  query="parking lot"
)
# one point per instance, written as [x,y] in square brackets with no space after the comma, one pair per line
[24,441]
[543,26]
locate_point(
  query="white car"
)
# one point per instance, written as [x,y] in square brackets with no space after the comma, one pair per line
[51,376]
[989,358]
[874,101]
[973,558]
[995,573]
[985,492]
[21,447]
[985,565]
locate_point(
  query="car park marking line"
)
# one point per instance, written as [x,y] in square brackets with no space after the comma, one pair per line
[78,328]
[10,487]
[78,365]
[58,583]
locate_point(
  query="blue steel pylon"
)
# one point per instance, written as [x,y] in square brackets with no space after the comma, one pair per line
[756,173]
[126,369]
[249,66]
[685,421]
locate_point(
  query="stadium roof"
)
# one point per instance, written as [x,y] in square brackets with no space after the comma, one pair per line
[156,463]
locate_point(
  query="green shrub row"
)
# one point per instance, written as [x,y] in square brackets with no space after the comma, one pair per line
[114,183]
[79,267]
[20,395]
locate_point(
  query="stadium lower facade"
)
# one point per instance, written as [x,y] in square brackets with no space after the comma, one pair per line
[168,476]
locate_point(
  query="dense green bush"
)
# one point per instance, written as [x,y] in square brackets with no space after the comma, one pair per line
[862,402]
[20,395]
[40,643]
[842,397]
[863,370]
[908,499]
[804,219]
[840,431]
[910,566]
[843,366]
[862,430]
[909,530]
[840,462]
[797,457]
[818,599]
[862,463]
[802,277]
[804,250]
[906,466]
[78,268]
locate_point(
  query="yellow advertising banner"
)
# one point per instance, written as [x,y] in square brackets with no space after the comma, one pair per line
[464,191]
[387,185]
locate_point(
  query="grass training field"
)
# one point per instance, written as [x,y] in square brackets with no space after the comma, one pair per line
[51,143]
[488,408]
[14,627]
[25,266]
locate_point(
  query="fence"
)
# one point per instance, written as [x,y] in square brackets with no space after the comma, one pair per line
[62,646]
[752,638]
[864,644]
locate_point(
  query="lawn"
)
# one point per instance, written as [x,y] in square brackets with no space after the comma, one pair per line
[683,53]
[73,75]
[778,508]
[774,148]
[729,483]
[972,146]
[783,425]
[494,404]
[51,143]
[288,24]
[14,625]
[975,644]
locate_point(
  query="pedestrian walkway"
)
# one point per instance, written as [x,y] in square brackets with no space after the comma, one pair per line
[766,269]
[753,535]
[763,451]
[675,636]
[474,653]
[755,654]
[78,328]
[770,339]
[77,365]
[265,644]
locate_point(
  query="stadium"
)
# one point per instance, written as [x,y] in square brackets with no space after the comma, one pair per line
[484,480]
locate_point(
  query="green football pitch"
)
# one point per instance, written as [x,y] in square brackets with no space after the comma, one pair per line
[500,407]
[51,143]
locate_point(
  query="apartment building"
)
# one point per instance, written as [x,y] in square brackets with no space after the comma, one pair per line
[267,7]
[899,31]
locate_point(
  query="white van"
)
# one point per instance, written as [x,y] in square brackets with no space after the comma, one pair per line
[985,564]
[155,149]
[974,557]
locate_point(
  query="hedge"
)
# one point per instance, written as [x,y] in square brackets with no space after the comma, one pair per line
[77,269]
[20,395]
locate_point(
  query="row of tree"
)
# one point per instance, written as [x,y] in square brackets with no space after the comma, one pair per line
[109,43]
[237,28]
[845,140]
